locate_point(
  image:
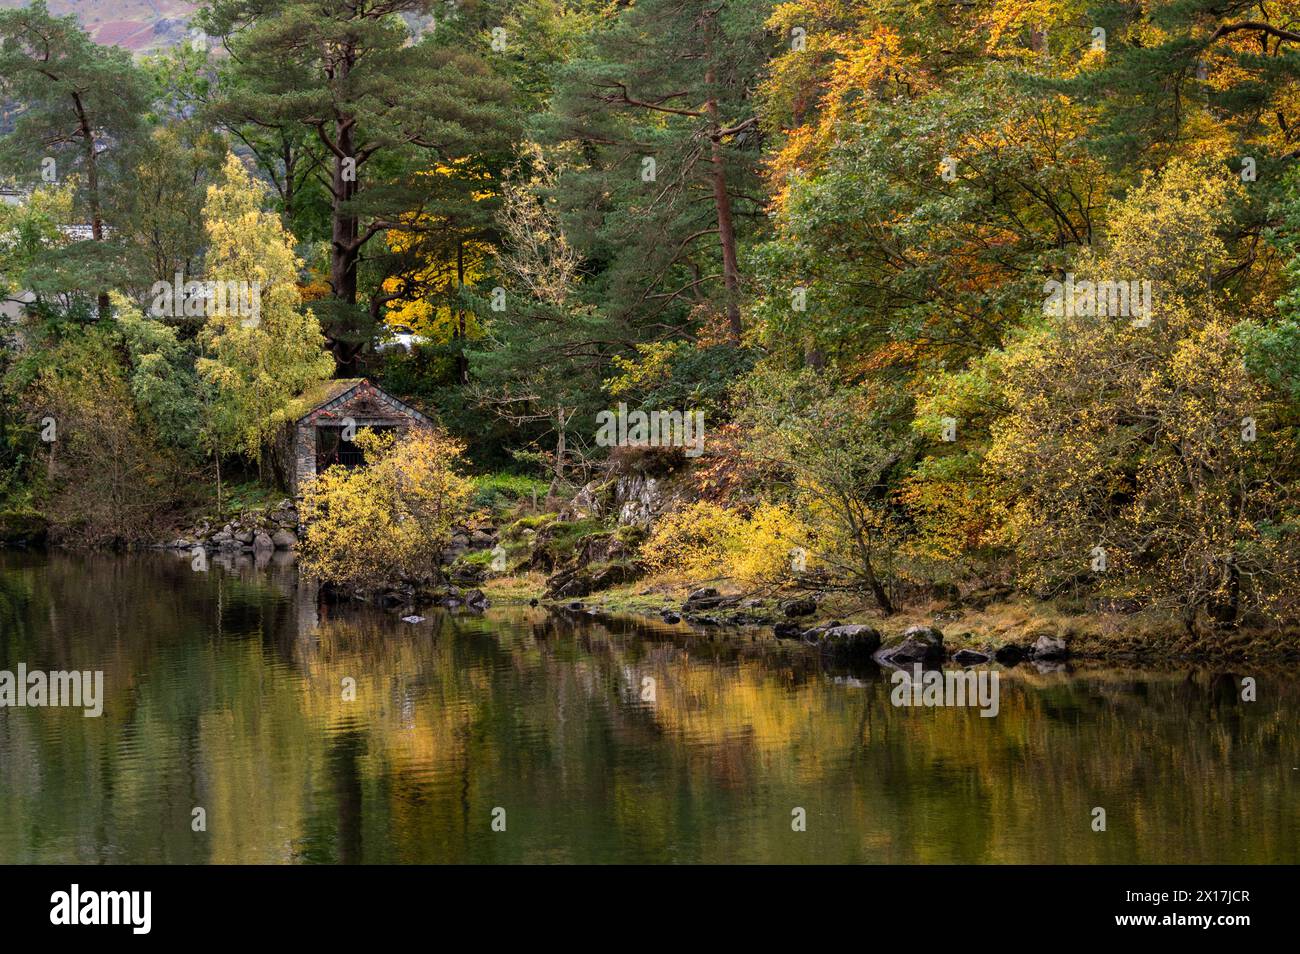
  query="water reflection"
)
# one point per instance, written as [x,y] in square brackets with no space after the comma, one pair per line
[603,740]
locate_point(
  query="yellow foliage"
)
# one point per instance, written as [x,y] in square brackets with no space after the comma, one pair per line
[439,278]
[441,275]
[705,540]
[951,518]
[259,364]
[386,521]
[650,367]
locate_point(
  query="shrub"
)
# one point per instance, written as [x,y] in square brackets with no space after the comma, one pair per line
[387,521]
[705,540]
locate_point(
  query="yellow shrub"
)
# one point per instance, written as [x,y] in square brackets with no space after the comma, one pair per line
[706,540]
[387,521]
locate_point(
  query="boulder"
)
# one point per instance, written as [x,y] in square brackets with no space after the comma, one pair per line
[245,536]
[1048,646]
[1009,655]
[284,540]
[571,581]
[587,502]
[263,542]
[969,657]
[704,593]
[786,631]
[712,601]
[849,642]
[614,574]
[670,617]
[476,600]
[800,607]
[704,620]
[920,644]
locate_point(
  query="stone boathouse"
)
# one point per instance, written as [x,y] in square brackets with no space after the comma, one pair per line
[328,417]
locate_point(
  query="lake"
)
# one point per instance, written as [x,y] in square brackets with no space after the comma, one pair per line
[320,734]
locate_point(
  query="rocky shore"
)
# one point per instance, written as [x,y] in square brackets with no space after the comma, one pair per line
[272,529]
[1042,636]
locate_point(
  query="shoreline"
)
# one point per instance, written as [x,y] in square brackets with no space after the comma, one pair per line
[1017,623]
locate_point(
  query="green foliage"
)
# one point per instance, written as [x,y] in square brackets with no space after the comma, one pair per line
[503,489]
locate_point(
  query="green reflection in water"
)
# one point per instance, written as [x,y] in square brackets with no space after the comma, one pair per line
[225,690]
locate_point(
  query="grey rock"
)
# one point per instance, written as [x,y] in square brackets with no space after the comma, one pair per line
[851,642]
[969,657]
[920,644]
[800,607]
[263,542]
[284,540]
[1050,647]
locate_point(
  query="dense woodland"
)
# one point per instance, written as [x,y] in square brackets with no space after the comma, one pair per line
[833,226]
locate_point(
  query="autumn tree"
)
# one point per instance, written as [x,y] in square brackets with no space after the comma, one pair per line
[840,446]
[1140,454]
[256,360]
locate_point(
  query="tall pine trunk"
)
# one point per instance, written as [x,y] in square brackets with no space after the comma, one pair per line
[722,201]
[92,189]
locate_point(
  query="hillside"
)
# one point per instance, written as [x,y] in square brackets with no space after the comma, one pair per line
[136,25]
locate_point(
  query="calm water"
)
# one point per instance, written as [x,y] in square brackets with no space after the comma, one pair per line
[224,690]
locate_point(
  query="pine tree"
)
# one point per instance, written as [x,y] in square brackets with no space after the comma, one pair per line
[659,107]
[82,108]
[382,105]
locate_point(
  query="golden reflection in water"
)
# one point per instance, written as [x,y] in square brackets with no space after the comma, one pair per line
[227,690]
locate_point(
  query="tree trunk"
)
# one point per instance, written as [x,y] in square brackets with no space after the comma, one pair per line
[1224,609]
[877,589]
[561,448]
[290,165]
[92,189]
[726,228]
[343,250]
[860,543]
[462,361]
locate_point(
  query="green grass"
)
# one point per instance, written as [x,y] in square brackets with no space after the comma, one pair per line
[503,490]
